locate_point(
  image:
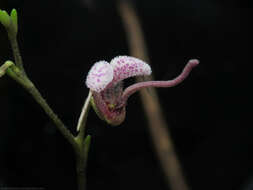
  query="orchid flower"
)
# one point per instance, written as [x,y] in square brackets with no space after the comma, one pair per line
[105,83]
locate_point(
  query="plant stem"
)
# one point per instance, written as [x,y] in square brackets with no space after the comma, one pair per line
[81,178]
[81,169]
[83,117]
[22,79]
[16,52]
[79,143]
[84,144]
[59,124]
[18,73]
[81,161]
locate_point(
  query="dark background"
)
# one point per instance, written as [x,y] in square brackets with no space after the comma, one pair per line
[208,115]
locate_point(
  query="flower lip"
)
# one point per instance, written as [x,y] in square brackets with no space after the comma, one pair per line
[99,76]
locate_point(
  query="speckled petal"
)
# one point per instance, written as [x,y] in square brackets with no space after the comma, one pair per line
[99,76]
[126,66]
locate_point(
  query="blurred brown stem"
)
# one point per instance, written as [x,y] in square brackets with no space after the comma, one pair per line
[157,124]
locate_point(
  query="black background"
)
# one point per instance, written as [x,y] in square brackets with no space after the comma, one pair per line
[208,115]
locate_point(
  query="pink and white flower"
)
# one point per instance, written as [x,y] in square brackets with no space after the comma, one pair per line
[105,82]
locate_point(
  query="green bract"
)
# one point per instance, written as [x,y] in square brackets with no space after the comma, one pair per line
[10,22]
[5,18]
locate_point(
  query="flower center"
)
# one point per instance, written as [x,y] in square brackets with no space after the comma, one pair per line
[112,96]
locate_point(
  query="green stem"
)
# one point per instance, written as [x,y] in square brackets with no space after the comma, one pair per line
[84,144]
[81,178]
[79,143]
[81,169]
[19,76]
[81,161]
[4,67]
[16,52]
[83,117]
[62,128]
